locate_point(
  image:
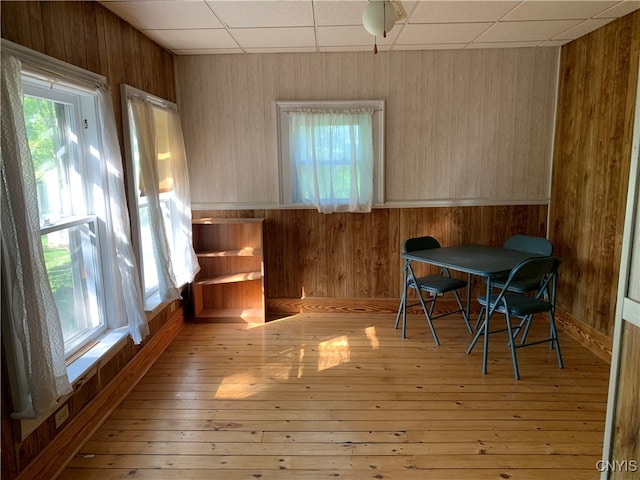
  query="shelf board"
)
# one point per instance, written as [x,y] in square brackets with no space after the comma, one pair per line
[250,315]
[230,278]
[242,252]
[225,221]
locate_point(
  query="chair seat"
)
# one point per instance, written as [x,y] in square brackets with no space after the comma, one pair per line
[521,286]
[440,283]
[519,305]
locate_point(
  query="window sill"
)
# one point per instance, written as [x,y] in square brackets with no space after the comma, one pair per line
[80,370]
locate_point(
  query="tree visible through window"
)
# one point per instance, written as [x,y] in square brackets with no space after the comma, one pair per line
[68,227]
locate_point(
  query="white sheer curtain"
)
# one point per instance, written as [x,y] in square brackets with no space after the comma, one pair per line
[127,294]
[32,332]
[142,118]
[332,159]
[175,260]
[185,265]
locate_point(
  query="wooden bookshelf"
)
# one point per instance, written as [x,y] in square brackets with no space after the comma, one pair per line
[230,284]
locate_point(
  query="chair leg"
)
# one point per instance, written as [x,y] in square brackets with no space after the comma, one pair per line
[479,320]
[554,336]
[427,313]
[465,314]
[512,346]
[527,323]
[481,330]
[402,300]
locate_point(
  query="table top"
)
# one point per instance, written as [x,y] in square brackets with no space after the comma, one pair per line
[472,258]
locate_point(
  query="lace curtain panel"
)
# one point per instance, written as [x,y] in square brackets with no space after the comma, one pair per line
[35,339]
[332,159]
[32,331]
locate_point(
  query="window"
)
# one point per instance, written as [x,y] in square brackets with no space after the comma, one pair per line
[70,279]
[331,154]
[59,125]
[159,189]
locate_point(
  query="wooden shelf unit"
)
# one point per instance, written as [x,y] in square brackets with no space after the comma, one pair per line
[230,284]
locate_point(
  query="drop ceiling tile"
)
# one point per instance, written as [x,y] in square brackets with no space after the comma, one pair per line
[275,37]
[192,39]
[282,50]
[583,28]
[272,13]
[557,10]
[458,12]
[435,46]
[620,9]
[425,34]
[476,45]
[170,14]
[331,12]
[526,31]
[207,51]
[357,48]
[352,35]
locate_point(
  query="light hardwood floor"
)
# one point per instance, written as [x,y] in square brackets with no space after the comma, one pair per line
[325,397]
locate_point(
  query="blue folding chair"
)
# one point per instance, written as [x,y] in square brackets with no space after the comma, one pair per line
[433,284]
[528,244]
[520,305]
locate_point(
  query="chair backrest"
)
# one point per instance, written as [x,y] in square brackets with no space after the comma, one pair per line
[544,268]
[529,244]
[419,243]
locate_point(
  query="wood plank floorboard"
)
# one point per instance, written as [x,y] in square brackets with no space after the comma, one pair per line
[345,397]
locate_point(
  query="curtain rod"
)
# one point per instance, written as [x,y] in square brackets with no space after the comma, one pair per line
[130,91]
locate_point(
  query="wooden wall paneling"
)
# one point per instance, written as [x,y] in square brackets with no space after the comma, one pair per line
[626,442]
[357,256]
[133,57]
[334,227]
[19,28]
[72,31]
[91,38]
[591,165]
[101,40]
[474,128]
[358,239]
[54,41]
[445,140]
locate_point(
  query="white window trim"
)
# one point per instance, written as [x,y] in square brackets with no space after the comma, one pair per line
[284,162]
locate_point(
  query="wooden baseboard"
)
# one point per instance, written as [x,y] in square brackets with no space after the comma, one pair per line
[51,461]
[292,306]
[598,343]
[587,336]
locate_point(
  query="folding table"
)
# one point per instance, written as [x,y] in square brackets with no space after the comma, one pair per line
[472,259]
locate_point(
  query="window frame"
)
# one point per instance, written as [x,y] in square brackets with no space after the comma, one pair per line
[151,296]
[85,112]
[285,187]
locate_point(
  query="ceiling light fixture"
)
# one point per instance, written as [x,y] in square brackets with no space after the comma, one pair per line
[378,18]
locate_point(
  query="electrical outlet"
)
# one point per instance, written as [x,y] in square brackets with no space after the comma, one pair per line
[61,416]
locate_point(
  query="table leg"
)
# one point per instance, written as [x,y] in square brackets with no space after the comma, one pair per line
[488,312]
[483,329]
[468,296]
